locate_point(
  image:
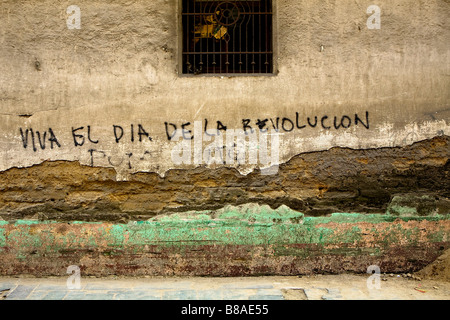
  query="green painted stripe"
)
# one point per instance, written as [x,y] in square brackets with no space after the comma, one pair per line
[226,229]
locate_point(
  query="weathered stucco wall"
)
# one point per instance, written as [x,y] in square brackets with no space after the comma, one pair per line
[357,120]
[120,69]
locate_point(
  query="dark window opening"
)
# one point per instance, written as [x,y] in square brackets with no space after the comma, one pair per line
[232,36]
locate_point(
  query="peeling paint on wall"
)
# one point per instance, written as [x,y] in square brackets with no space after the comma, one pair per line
[247,240]
[114,71]
[315,183]
[105,147]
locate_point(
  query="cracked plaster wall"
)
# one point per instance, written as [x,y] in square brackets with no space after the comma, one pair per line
[120,69]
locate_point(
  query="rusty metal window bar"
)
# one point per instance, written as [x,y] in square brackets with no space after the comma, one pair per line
[227,37]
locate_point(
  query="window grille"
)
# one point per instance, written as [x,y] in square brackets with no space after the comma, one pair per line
[227,37]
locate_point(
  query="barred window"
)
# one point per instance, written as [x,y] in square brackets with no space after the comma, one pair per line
[227,37]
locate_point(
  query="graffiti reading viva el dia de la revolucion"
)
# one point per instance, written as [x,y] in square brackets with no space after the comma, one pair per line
[36,140]
[81,135]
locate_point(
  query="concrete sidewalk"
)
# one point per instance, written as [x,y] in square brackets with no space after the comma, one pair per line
[318,287]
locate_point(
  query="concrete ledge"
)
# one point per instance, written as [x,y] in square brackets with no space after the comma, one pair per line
[272,242]
[411,180]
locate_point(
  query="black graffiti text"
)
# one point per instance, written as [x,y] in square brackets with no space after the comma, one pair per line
[38,139]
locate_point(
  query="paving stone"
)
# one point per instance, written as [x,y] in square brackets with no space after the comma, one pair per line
[333,294]
[29,289]
[268,292]
[98,296]
[255,286]
[237,294]
[376,294]
[55,295]
[37,295]
[7,286]
[50,287]
[315,293]
[357,294]
[106,286]
[74,295]
[180,295]
[266,297]
[117,291]
[164,286]
[82,295]
[21,292]
[137,295]
[209,295]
